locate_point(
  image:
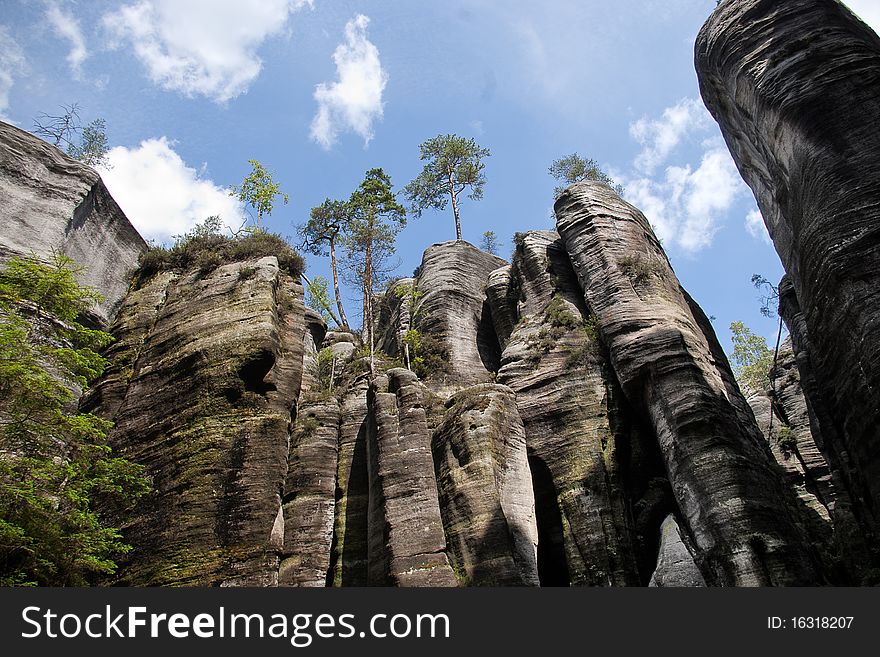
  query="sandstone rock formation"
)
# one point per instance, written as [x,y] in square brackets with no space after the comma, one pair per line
[723,477]
[454,310]
[569,402]
[49,201]
[201,392]
[793,86]
[675,563]
[485,489]
[407,546]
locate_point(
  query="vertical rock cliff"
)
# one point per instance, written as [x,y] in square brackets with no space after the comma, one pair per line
[724,480]
[205,373]
[795,86]
[49,201]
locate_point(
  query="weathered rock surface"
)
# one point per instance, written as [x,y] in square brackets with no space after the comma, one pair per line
[211,368]
[309,500]
[49,201]
[349,553]
[795,86]
[554,362]
[675,563]
[723,477]
[485,489]
[407,546]
[453,309]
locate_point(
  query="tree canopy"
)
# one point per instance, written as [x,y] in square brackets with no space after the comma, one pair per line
[328,224]
[376,219]
[573,168]
[453,164]
[751,359]
[60,485]
[258,191]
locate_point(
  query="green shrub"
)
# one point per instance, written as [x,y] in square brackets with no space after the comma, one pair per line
[205,249]
[638,268]
[786,439]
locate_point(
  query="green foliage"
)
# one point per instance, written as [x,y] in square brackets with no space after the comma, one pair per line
[92,148]
[60,486]
[559,316]
[258,191]
[638,268]
[558,320]
[375,221]
[453,164]
[205,248]
[428,355]
[318,298]
[327,223]
[489,243]
[325,368]
[573,168]
[751,359]
[585,354]
[786,439]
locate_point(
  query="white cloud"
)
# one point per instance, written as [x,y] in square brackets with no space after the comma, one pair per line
[354,101]
[756,227]
[12,65]
[867,10]
[163,196]
[200,47]
[686,205]
[659,137]
[67,27]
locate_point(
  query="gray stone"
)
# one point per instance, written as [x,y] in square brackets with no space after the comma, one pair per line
[795,87]
[485,489]
[49,201]
[724,480]
[407,546]
[675,563]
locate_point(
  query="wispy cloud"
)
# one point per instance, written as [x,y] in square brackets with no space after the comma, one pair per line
[66,26]
[162,195]
[687,201]
[200,47]
[12,65]
[659,137]
[756,227]
[354,101]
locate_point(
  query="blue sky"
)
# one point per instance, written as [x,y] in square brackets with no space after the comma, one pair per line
[321,91]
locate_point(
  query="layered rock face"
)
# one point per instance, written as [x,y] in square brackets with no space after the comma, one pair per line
[723,477]
[454,310]
[588,462]
[49,201]
[201,386]
[794,86]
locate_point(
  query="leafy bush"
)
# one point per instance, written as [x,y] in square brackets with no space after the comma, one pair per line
[428,354]
[59,483]
[205,248]
[638,268]
[786,439]
[751,358]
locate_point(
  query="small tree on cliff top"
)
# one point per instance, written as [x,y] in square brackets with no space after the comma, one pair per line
[320,236]
[573,168]
[376,219]
[454,164]
[259,191]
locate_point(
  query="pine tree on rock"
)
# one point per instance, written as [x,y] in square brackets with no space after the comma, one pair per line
[454,164]
[376,219]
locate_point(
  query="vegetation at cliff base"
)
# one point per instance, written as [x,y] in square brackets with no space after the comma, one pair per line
[61,490]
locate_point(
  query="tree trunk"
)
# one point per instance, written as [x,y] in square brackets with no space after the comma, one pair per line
[368,285]
[454,205]
[336,284]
